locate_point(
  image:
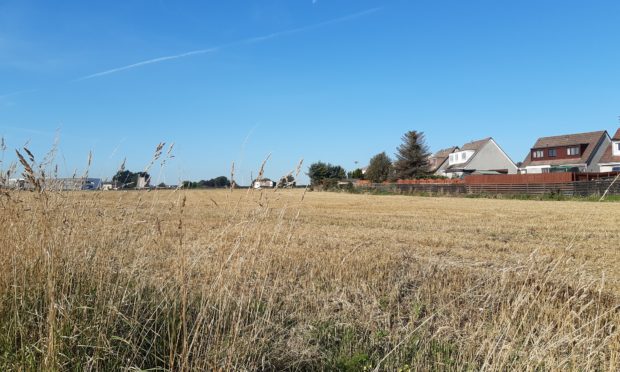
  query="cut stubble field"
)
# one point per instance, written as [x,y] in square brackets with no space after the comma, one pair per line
[288,279]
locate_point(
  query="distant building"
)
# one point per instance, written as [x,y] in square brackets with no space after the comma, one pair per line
[264,183]
[142,182]
[610,161]
[580,152]
[16,183]
[73,184]
[479,157]
[438,162]
[57,184]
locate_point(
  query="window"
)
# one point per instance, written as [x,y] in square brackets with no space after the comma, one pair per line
[618,145]
[552,153]
[463,156]
[537,154]
[572,151]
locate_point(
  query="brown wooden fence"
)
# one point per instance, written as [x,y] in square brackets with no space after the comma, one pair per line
[514,179]
[574,188]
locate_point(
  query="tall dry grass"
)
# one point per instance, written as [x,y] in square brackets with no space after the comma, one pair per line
[264,280]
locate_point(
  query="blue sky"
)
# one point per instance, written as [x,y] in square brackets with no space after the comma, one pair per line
[337,81]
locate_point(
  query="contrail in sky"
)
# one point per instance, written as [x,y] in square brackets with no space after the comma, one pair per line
[26,130]
[17,93]
[311,27]
[148,62]
[240,42]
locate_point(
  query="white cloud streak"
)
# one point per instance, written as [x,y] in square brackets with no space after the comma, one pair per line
[311,27]
[27,130]
[6,101]
[251,40]
[17,93]
[148,62]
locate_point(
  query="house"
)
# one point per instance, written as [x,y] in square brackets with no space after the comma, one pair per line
[142,182]
[438,162]
[479,157]
[73,184]
[263,183]
[16,183]
[579,152]
[610,161]
[347,182]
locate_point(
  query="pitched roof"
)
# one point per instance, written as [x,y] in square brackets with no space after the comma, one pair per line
[591,139]
[470,146]
[475,145]
[616,136]
[608,155]
[444,152]
[569,139]
[440,157]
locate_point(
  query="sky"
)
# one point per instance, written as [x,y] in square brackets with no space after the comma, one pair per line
[336,81]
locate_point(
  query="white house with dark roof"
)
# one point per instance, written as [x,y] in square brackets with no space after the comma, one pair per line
[610,161]
[484,156]
[579,152]
[263,183]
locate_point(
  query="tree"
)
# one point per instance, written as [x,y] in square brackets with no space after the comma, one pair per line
[380,168]
[126,179]
[357,174]
[122,178]
[218,182]
[412,156]
[221,182]
[286,181]
[319,172]
[336,172]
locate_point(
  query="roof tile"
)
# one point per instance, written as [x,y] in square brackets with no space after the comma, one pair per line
[608,155]
[591,139]
[470,146]
[438,158]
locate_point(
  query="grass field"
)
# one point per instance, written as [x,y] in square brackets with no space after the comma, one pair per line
[264,280]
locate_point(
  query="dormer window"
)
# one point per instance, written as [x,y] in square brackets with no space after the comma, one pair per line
[616,148]
[573,151]
[537,154]
[461,157]
[552,153]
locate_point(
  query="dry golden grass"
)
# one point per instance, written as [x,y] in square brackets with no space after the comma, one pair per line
[264,280]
